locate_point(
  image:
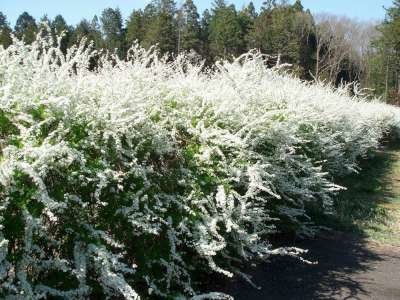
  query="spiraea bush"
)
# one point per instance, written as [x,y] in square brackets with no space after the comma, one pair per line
[130,179]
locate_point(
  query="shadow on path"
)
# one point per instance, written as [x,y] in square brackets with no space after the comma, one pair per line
[347,268]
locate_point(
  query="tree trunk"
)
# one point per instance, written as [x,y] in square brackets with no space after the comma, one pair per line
[317,63]
[398,84]
[387,81]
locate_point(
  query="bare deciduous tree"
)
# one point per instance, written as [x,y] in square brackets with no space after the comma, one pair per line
[341,42]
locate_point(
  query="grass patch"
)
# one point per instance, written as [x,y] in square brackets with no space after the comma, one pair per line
[370,207]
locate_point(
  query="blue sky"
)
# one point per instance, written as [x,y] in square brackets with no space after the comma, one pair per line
[74,10]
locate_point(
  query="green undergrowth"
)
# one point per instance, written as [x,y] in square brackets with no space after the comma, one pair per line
[370,205]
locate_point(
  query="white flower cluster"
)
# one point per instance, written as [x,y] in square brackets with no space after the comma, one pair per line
[121,178]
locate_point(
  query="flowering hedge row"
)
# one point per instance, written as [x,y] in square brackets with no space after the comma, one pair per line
[134,178]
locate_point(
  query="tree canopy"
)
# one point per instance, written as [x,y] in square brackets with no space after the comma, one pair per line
[319,47]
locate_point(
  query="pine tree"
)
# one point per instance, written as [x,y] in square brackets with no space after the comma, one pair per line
[247,18]
[45,26]
[268,5]
[189,27]
[219,4]
[167,6]
[284,30]
[95,32]
[204,36]
[250,10]
[387,55]
[304,30]
[45,20]
[26,28]
[160,26]
[225,33]
[82,30]
[5,31]
[88,30]
[59,26]
[297,6]
[111,24]
[135,27]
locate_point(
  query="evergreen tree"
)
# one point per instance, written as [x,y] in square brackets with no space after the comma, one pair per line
[45,20]
[247,18]
[59,26]
[225,35]
[95,32]
[284,31]
[111,24]
[150,11]
[250,10]
[5,31]
[219,4]
[88,30]
[160,26]
[135,27]
[167,6]
[380,75]
[387,56]
[298,6]
[304,29]
[189,29]
[45,26]
[82,30]
[26,28]
[268,5]
[204,36]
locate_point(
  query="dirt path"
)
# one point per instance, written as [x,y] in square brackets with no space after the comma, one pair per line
[350,265]
[347,268]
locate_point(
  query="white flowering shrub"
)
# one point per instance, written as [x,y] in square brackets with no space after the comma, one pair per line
[133,178]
